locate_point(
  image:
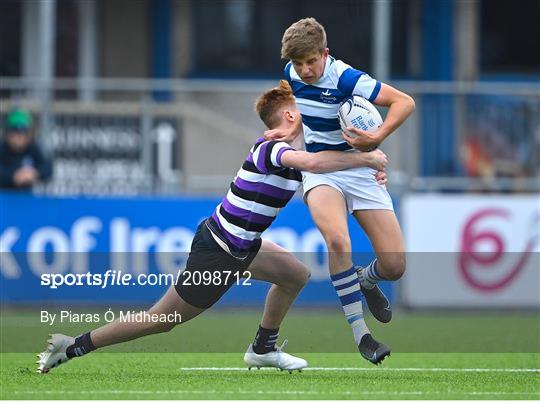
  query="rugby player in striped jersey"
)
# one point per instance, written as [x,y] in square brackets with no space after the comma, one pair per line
[320,83]
[230,241]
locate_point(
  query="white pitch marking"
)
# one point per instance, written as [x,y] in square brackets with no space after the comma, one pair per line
[261,392]
[476,370]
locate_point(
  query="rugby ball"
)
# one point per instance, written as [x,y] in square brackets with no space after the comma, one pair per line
[358,112]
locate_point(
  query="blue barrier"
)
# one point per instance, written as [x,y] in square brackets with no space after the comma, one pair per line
[41,235]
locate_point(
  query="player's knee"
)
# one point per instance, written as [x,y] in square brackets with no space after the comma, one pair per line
[304,276]
[300,277]
[338,242]
[297,275]
[394,267]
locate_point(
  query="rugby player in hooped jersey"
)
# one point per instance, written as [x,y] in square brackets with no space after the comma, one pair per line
[230,241]
[320,83]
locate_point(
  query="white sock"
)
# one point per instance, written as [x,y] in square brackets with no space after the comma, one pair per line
[369,276]
[348,289]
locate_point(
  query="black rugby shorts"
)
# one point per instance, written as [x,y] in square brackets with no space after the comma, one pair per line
[206,255]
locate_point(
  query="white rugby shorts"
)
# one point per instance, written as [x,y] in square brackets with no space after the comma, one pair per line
[358,187]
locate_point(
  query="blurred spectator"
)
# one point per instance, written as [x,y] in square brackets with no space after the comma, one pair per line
[476,158]
[22,162]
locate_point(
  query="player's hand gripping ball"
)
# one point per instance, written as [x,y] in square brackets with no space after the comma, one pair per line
[358,112]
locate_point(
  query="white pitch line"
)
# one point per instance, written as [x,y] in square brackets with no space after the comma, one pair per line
[475,370]
[262,392]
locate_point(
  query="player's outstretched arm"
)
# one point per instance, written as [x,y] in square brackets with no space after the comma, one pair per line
[331,161]
[400,107]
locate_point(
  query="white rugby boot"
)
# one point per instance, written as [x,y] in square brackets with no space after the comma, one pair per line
[55,353]
[278,359]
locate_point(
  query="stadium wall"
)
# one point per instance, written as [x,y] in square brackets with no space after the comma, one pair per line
[471,251]
[463,250]
[41,235]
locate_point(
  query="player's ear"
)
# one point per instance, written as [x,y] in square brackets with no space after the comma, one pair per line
[289,115]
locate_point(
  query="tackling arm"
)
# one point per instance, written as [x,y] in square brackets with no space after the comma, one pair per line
[331,161]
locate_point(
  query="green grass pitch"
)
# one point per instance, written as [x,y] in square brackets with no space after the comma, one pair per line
[464,359]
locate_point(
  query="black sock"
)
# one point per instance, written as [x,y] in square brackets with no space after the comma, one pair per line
[83,345]
[265,340]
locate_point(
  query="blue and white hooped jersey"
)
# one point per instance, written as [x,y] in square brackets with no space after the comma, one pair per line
[319,103]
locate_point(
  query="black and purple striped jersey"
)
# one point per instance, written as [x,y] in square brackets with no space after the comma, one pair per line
[260,189]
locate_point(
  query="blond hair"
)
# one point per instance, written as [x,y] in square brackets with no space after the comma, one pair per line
[269,104]
[303,38]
